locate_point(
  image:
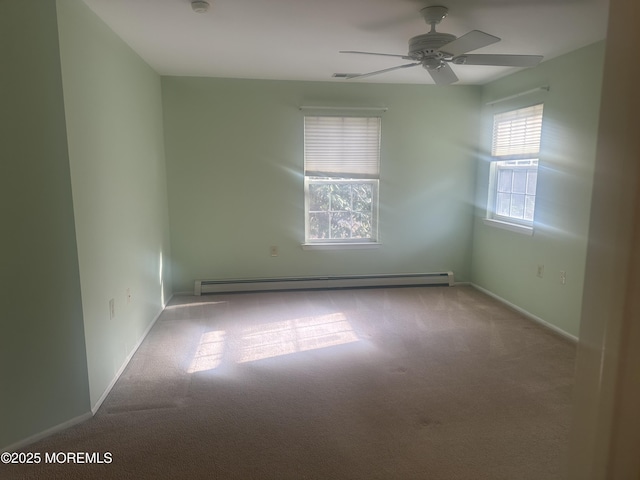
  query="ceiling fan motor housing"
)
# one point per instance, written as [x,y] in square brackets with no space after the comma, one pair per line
[427,45]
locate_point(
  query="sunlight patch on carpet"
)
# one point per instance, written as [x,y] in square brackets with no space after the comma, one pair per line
[209,353]
[298,335]
[194,304]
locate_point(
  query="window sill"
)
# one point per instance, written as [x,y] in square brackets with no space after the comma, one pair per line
[512,227]
[340,246]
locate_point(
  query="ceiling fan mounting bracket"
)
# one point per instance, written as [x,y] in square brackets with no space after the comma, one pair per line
[434,15]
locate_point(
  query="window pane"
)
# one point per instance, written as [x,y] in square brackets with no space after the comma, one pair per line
[319,197]
[341,197]
[519,181]
[362,197]
[341,225]
[362,225]
[529,207]
[318,225]
[503,204]
[517,206]
[341,209]
[504,180]
[532,180]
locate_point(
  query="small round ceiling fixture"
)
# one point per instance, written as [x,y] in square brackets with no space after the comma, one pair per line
[199,6]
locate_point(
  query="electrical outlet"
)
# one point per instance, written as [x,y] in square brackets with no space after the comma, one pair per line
[112,309]
[563,277]
[540,272]
[274,251]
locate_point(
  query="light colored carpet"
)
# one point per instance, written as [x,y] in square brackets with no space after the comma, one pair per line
[402,383]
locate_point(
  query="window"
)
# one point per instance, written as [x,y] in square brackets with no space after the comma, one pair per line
[341,176]
[514,166]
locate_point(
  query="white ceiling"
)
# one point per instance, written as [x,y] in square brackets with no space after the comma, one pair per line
[300,39]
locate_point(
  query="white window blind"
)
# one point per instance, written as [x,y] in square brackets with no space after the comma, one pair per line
[342,147]
[516,134]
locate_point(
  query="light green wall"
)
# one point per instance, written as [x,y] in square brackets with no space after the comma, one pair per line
[505,263]
[43,374]
[114,123]
[234,161]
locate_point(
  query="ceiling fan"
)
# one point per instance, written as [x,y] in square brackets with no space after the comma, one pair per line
[435,51]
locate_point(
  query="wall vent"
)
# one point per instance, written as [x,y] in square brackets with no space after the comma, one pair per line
[306,283]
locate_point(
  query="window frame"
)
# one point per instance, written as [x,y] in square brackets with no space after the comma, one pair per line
[370,178]
[520,225]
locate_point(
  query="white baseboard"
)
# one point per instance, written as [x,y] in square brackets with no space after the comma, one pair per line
[529,315]
[115,378]
[49,431]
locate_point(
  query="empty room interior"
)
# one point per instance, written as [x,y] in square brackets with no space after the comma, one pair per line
[274,240]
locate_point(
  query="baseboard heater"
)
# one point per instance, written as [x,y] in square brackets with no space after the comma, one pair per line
[306,283]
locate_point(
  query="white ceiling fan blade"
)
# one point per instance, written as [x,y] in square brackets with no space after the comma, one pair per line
[444,75]
[471,41]
[380,54]
[362,75]
[499,60]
